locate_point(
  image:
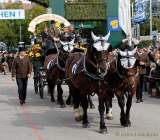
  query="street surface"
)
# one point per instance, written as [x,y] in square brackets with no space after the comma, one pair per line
[42,120]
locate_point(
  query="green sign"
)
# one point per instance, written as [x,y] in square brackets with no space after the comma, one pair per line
[84,25]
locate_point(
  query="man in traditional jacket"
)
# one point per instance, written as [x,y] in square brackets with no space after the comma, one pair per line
[21,71]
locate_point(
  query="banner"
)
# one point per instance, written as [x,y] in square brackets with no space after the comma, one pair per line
[140,12]
[113,24]
[124,11]
[12,14]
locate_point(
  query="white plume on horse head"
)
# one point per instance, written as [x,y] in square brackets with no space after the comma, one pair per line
[134,41]
[125,40]
[68,46]
[107,36]
[133,52]
[101,43]
[122,53]
[72,41]
[130,53]
[63,43]
[94,37]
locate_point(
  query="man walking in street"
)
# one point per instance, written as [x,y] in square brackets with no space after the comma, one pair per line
[21,71]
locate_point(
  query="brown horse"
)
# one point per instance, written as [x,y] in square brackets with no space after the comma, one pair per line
[123,78]
[85,74]
[55,70]
[154,77]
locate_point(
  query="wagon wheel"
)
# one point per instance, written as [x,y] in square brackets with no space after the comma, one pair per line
[41,87]
[36,85]
[35,78]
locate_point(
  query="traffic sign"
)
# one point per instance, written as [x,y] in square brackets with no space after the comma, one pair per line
[12,14]
[154,35]
[84,25]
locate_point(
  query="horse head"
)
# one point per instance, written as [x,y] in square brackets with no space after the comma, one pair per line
[100,49]
[127,55]
[67,46]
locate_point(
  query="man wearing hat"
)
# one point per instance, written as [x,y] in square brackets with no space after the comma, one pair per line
[21,71]
[54,33]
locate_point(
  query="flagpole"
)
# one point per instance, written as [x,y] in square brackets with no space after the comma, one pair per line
[151,19]
[130,24]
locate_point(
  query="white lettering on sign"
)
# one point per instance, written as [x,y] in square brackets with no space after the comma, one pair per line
[12,14]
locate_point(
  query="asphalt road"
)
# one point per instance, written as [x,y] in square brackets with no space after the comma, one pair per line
[43,120]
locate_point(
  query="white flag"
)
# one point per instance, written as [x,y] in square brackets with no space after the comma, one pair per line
[125,16]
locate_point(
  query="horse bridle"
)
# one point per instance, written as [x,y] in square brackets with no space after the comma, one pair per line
[93,76]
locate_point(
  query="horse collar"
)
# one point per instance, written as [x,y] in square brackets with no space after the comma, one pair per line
[90,75]
[57,63]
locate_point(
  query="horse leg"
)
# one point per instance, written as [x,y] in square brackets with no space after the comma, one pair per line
[76,102]
[108,104]
[157,90]
[101,108]
[51,86]
[84,103]
[128,107]
[60,95]
[121,102]
[90,102]
[150,89]
[69,99]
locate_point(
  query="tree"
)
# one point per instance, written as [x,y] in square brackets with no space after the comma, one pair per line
[7,35]
[9,29]
[145,28]
[44,3]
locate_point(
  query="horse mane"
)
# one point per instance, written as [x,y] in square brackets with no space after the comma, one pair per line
[51,51]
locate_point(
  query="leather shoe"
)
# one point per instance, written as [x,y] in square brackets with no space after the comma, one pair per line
[21,102]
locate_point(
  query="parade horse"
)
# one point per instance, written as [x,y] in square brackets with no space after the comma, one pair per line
[55,70]
[123,77]
[154,77]
[80,46]
[85,73]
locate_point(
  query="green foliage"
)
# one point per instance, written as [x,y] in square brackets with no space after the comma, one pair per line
[9,29]
[145,43]
[44,3]
[145,28]
[85,11]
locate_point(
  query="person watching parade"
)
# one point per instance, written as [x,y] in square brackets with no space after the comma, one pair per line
[4,62]
[21,71]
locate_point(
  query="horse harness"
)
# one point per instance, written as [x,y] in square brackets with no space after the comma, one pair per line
[84,70]
[52,63]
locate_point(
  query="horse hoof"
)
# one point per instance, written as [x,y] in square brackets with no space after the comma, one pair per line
[126,124]
[103,130]
[68,102]
[52,100]
[78,118]
[86,125]
[109,117]
[62,106]
[129,123]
